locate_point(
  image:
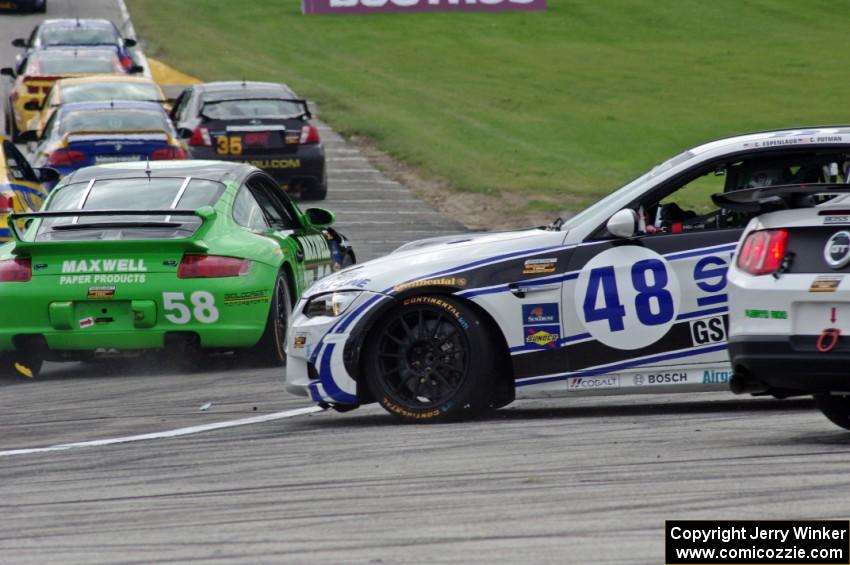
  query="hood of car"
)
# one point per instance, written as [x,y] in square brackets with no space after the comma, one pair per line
[433,257]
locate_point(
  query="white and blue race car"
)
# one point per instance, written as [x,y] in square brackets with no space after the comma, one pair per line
[628,296]
[789,293]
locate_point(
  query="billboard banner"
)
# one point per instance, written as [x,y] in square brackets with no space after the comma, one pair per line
[375,6]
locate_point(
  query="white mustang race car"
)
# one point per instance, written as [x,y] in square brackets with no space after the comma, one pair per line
[628,296]
[789,301]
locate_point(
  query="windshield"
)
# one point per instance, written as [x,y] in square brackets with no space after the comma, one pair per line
[253,108]
[47,64]
[128,194]
[616,195]
[106,91]
[113,120]
[77,36]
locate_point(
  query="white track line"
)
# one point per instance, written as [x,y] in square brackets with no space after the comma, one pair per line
[167,433]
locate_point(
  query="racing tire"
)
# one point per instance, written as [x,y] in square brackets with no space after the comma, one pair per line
[835,408]
[270,350]
[431,360]
[19,364]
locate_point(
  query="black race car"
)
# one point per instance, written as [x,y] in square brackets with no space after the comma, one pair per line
[39,6]
[264,124]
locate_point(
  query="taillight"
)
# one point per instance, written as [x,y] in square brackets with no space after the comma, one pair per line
[15,270]
[763,251]
[7,203]
[65,157]
[309,134]
[201,136]
[212,266]
[169,153]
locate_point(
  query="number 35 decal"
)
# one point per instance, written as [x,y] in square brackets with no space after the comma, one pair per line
[178,312]
[627,297]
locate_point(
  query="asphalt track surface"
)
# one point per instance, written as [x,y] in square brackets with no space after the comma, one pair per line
[556,481]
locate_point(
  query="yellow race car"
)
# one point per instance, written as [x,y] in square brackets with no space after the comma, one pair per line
[44,67]
[22,188]
[95,88]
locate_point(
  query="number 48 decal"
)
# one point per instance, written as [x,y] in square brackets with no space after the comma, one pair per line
[203,307]
[653,302]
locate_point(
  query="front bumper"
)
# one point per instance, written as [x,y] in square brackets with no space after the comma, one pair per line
[317,360]
[792,362]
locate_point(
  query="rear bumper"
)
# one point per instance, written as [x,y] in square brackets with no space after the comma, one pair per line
[791,362]
[305,165]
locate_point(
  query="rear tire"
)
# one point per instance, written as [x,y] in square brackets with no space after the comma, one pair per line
[431,360]
[835,408]
[270,350]
[20,364]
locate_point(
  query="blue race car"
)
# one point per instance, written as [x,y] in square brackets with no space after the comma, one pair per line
[80,134]
[76,32]
[36,6]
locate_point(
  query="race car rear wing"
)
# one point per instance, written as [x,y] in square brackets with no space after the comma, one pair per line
[777,197]
[303,102]
[101,134]
[193,244]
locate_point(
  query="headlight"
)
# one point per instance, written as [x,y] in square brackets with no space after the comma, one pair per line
[332,304]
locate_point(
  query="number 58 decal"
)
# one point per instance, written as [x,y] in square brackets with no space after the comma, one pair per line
[178,312]
[627,297]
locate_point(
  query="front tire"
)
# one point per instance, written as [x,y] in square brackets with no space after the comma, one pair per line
[835,408]
[430,360]
[270,350]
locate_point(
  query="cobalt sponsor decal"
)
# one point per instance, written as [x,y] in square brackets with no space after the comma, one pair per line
[708,330]
[540,314]
[716,377]
[373,6]
[593,383]
[542,337]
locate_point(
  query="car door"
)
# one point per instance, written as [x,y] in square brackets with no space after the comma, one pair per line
[652,309]
[312,250]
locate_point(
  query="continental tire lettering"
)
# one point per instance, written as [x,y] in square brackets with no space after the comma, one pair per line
[447,281]
[440,304]
[407,413]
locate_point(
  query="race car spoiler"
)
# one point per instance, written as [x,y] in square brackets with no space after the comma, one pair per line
[100,134]
[307,114]
[205,213]
[782,196]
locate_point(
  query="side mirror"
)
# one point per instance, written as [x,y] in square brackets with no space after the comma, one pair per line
[130,42]
[32,105]
[22,43]
[46,175]
[8,71]
[28,136]
[184,133]
[136,69]
[623,224]
[319,217]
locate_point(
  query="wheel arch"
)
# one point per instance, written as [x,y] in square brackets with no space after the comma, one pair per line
[504,392]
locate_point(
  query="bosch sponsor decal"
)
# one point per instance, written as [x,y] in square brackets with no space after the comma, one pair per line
[593,383]
[660,378]
[826,283]
[101,292]
[542,337]
[716,377]
[540,314]
[539,266]
[708,330]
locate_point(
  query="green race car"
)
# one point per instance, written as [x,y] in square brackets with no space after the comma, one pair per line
[189,256]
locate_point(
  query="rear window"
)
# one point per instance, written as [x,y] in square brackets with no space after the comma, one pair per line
[252,108]
[68,63]
[128,194]
[78,36]
[113,120]
[105,91]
